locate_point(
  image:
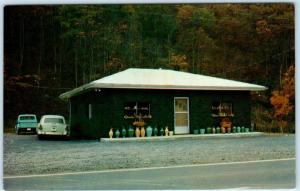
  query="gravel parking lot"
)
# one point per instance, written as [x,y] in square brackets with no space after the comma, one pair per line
[25,154]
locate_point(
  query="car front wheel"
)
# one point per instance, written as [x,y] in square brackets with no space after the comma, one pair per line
[40,137]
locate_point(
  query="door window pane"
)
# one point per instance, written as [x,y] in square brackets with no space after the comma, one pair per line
[180,105]
[181,119]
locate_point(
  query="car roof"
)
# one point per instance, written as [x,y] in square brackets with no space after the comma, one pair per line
[52,116]
[27,115]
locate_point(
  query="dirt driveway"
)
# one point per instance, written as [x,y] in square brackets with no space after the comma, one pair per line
[25,154]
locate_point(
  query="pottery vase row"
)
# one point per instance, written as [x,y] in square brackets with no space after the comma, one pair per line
[217,130]
[139,132]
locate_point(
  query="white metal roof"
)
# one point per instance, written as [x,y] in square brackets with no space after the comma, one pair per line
[137,78]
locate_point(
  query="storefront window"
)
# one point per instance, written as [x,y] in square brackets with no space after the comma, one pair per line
[221,109]
[137,109]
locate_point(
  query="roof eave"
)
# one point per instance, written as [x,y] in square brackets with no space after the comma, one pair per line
[76,91]
[87,87]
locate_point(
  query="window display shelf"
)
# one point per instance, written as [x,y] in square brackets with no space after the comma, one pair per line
[222,115]
[133,117]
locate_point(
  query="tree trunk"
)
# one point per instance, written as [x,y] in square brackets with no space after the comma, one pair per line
[60,67]
[92,63]
[194,54]
[41,45]
[54,60]
[280,75]
[169,58]
[21,43]
[281,128]
[76,70]
[104,62]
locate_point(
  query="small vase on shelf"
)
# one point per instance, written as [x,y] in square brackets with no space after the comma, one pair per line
[167,131]
[196,131]
[155,131]
[149,131]
[242,129]
[130,131]
[208,130]
[223,129]
[143,132]
[202,131]
[234,129]
[111,133]
[117,133]
[123,132]
[161,132]
[252,127]
[213,130]
[228,130]
[137,132]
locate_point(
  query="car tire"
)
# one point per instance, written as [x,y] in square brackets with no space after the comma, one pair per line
[40,137]
[67,137]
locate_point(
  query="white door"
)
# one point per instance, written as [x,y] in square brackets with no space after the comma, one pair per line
[181,115]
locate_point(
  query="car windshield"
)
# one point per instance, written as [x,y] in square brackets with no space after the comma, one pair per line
[54,120]
[27,118]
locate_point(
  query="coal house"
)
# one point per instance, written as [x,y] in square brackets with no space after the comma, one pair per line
[183,102]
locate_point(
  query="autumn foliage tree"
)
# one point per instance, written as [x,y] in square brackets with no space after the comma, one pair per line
[283,101]
[179,62]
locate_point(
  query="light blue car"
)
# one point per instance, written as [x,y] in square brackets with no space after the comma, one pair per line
[26,123]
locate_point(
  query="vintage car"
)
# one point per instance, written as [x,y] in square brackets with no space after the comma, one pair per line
[26,123]
[51,125]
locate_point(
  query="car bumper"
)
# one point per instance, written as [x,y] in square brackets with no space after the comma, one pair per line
[28,129]
[51,133]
